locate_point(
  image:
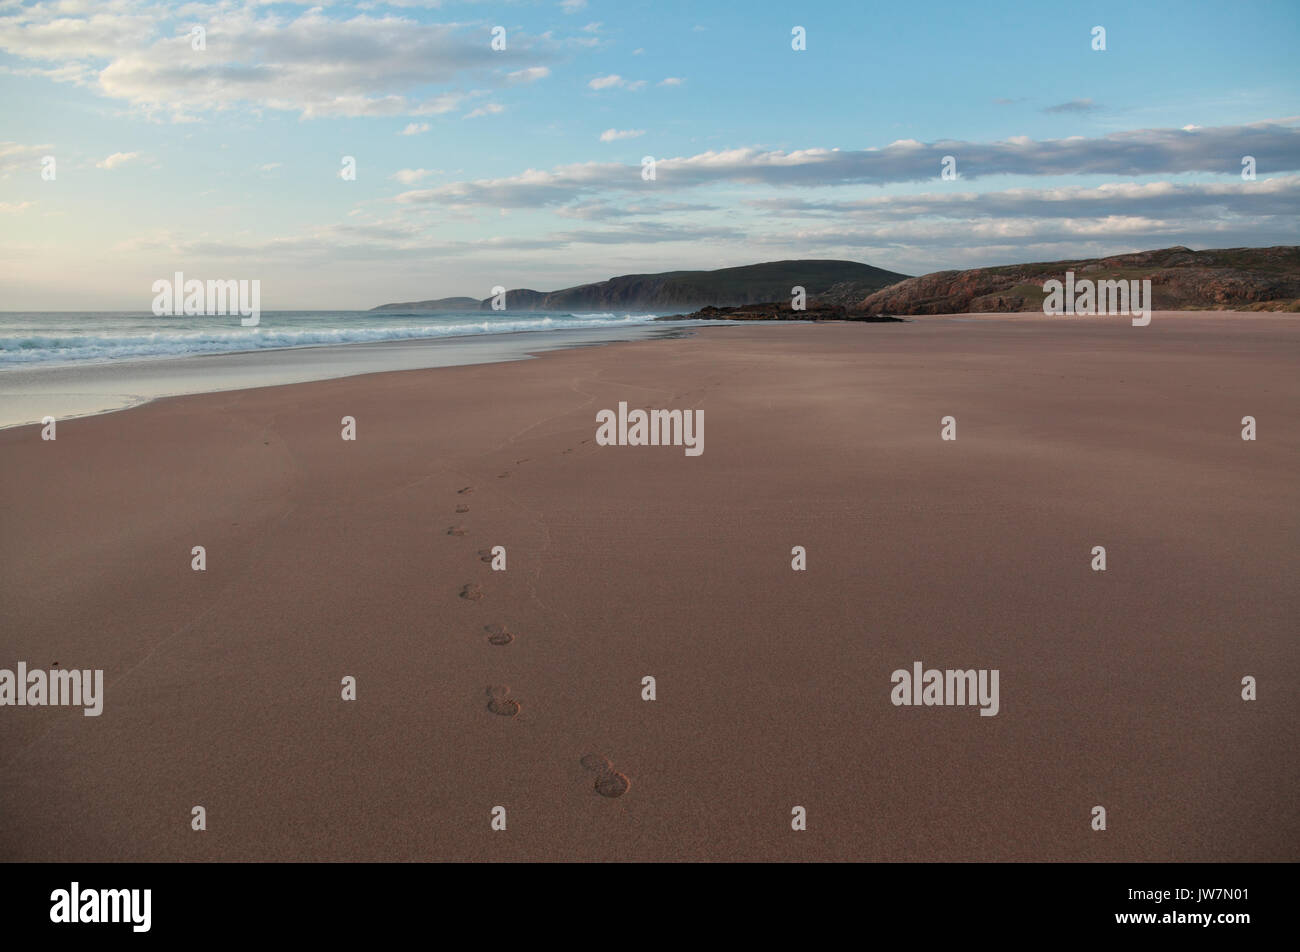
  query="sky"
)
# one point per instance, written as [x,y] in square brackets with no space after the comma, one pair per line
[223,153]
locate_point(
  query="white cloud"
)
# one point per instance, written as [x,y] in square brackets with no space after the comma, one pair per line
[487,109]
[414,129]
[612,135]
[529,75]
[1109,201]
[309,62]
[269,166]
[15,157]
[1130,153]
[615,81]
[672,81]
[411,176]
[116,159]
[572,6]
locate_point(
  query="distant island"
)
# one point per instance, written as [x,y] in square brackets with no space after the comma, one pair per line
[725,287]
[441,304]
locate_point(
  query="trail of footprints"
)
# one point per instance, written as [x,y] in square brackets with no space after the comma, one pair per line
[608,782]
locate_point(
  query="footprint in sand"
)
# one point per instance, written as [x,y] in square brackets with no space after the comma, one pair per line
[612,784]
[465,492]
[462,508]
[498,635]
[472,591]
[485,555]
[609,782]
[457,530]
[501,702]
[502,475]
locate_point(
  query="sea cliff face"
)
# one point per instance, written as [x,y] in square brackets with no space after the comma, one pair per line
[1181,279]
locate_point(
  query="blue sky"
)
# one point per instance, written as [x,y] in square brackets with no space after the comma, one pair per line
[478,167]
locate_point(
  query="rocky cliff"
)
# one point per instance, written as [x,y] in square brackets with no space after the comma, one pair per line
[1181,279]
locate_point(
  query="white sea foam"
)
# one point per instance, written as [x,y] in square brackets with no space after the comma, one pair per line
[24,345]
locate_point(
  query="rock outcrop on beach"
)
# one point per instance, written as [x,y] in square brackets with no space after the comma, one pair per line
[847,293]
[1253,279]
[686,290]
[781,311]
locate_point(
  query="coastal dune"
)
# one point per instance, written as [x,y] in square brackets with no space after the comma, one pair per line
[329,558]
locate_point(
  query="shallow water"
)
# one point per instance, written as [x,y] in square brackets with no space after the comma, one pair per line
[64,337]
[70,389]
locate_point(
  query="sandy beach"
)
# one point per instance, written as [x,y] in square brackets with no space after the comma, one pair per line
[328,558]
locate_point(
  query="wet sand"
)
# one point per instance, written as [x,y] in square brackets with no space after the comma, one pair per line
[329,558]
[29,393]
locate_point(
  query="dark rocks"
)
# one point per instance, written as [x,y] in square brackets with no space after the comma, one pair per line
[782,311]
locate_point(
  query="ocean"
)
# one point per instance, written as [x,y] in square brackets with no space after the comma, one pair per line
[66,337]
[69,364]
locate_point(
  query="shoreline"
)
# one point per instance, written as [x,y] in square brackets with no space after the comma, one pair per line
[328,558]
[260,368]
[502,348]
